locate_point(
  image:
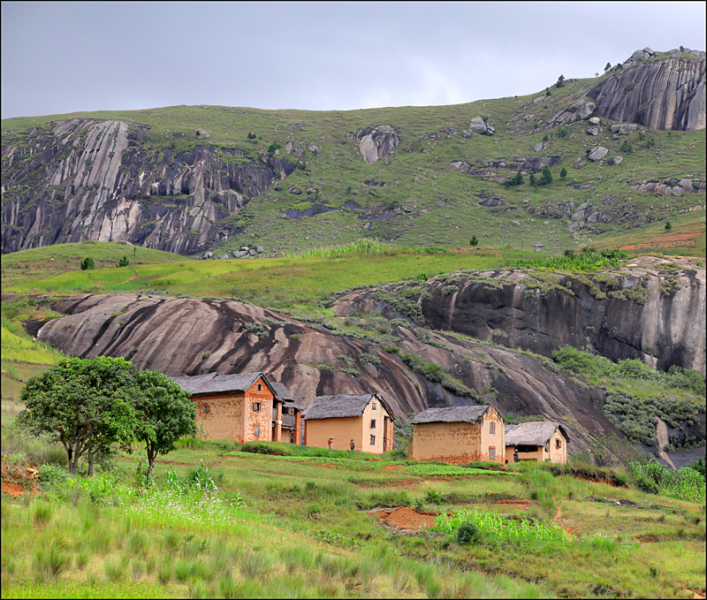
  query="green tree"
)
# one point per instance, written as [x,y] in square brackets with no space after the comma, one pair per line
[87,263]
[272,147]
[166,414]
[533,180]
[563,173]
[519,178]
[473,241]
[560,81]
[545,176]
[607,67]
[123,262]
[83,404]
[668,226]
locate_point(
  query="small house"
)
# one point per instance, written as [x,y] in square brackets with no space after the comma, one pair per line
[367,419]
[538,441]
[458,435]
[243,407]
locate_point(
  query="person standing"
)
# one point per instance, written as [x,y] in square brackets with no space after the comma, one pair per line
[331,443]
[515,455]
[352,445]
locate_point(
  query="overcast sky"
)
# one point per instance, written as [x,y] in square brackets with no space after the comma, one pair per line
[61,57]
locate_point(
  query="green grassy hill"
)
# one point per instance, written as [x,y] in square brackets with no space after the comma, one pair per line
[414,195]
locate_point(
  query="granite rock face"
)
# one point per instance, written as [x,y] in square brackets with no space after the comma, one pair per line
[87,180]
[376,142]
[644,311]
[190,337]
[666,94]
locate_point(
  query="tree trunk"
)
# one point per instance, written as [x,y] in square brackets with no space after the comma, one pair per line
[150,466]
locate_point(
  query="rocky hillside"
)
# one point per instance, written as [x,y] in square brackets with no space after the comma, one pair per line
[178,336]
[652,310]
[193,179]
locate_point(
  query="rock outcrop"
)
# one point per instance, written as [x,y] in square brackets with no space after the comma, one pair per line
[188,336]
[649,310]
[480,125]
[376,142]
[661,94]
[87,180]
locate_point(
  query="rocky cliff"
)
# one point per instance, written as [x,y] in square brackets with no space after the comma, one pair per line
[188,336]
[661,94]
[81,179]
[653,310]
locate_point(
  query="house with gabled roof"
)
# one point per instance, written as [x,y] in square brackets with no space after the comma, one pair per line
[537,441]
[458,435]
[367,419]
[243,407]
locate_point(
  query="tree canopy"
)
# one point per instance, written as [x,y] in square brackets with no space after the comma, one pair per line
[90,405]
[166,413]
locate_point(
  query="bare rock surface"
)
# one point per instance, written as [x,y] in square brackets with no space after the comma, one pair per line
[376,142]
[96,182]
[189,337]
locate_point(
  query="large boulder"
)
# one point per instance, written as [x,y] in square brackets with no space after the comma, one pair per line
[597,153]
[376,142]
[480,125]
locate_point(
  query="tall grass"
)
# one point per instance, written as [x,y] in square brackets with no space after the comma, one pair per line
[685,483]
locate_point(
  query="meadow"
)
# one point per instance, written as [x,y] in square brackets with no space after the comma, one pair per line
[219,521]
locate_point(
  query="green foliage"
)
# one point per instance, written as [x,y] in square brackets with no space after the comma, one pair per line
[686,483]
[626,147]
[87,263]
[123,262]
[84,404]
[167,414]
[590,260]
[607,66]
[668,226]
[560,81]
[468,533]
[563,173]
[474,241]
[545,177]
[563,132]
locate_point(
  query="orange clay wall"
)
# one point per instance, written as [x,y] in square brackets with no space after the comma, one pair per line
[496,440]
[224,421]
[378,415]
[455,443]
[262,418]
[558,455]
[318,431]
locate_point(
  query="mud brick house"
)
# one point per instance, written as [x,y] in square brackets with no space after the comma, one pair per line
[244,407]
[537,440]
[367,419]
[458,435]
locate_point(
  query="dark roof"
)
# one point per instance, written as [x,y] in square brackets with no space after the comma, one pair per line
[281,392]
[343,405]
[453,414]
[533,433]
[213,383]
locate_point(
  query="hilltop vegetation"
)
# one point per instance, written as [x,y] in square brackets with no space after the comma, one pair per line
[304,180]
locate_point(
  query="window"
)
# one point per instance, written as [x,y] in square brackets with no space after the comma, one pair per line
[374,406]
[373,440]
[257,431]
[492,427]
[373,423]
[256,406]
[206,408]
[260,386]
[558,444]
[492,453]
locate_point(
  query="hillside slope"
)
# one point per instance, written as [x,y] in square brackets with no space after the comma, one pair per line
[190,179]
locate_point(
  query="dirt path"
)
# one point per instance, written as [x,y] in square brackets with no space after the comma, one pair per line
[671,240]
[134,276]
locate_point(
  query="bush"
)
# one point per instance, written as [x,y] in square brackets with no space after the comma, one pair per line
[87,263]
[468,533]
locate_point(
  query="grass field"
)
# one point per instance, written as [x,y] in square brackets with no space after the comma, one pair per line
[279,527]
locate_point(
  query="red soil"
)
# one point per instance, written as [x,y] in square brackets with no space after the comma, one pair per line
[407,518]
[671,240]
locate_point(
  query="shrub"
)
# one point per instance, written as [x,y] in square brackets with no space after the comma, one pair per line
[474,241]
[468,533]
[87,263]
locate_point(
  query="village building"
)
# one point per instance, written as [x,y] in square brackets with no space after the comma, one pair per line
[367,419]
[537,441]
[458,435]
[243,407]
